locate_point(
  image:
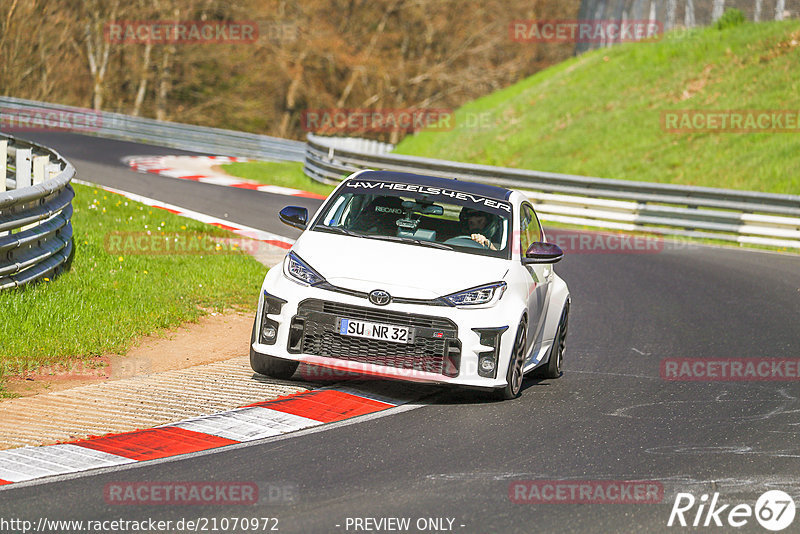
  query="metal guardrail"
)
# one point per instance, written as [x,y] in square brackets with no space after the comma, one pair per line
[20,113]
[745,217]
[35,211]
[699,212]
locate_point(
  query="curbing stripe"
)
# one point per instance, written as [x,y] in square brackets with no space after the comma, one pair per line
[35,462]
[154,443]
[18,471]
[17,465]
[257,421]
[244,424]
[170,166]
[401,393]
[326,406]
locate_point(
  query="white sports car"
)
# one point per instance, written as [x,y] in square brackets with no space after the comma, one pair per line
[416,278]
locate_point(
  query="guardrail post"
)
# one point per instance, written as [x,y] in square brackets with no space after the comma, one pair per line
[23,167]
[39,169]
[52,170]
[4,159]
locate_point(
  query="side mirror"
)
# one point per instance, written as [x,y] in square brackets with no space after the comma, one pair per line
[294,216]
[542,253]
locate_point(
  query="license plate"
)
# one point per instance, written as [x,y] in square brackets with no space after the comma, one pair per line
[383,332]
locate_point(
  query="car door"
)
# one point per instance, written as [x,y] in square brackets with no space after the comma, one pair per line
[540,275]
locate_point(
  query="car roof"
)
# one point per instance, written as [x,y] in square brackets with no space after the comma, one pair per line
[488,191]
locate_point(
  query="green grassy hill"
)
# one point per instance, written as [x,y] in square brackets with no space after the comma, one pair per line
[600,114]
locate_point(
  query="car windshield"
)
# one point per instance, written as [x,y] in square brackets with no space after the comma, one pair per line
[419,215]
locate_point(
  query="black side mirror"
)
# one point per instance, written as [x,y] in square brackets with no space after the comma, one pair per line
[294,216]
[542,253]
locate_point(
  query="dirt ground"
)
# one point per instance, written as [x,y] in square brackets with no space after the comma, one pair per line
[215,337]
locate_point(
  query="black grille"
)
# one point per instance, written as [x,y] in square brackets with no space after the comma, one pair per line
[435,349]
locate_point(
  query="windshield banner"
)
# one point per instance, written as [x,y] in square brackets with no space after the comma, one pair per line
[432,193]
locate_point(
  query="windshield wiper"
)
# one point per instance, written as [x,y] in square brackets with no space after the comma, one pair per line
[337,230]
[432,244]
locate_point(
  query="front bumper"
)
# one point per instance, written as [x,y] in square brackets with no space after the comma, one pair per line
[302,323]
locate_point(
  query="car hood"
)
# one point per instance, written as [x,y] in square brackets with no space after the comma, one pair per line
[404,270]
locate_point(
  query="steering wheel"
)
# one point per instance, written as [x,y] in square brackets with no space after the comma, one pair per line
[464,241]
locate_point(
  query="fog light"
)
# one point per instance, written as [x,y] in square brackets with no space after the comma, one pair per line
[269,331]
[487,364]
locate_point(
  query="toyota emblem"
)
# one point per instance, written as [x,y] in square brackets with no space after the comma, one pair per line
[379,297]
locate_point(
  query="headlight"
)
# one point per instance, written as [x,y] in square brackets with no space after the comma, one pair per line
[488,294]
[299,270]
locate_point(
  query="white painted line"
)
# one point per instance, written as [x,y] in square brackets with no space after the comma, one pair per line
[278,190]
[177,173]
[219,180]
[239,229]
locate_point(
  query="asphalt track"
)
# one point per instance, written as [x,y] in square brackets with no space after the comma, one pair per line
[610,416]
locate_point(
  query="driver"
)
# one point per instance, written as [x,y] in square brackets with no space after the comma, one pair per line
[479,225]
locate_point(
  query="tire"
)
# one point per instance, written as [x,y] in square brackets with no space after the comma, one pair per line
[270,365]
[556,358]
[514,375]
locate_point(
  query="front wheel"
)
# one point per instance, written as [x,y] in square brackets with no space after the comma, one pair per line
[514,375]
[270,365]
[554,362]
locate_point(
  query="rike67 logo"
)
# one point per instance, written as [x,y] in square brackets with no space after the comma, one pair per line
[774,510]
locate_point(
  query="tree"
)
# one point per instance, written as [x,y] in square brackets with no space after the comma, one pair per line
[345,53]
[689,20]
[718,10]
[672,8]
[98,48]
[780,9]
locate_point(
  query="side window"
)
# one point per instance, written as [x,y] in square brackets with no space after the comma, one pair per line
[537,230]
[530,231]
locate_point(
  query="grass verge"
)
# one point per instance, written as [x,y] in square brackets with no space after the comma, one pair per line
[284,174]
[108,298]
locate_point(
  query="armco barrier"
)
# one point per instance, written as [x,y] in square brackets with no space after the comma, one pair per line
[745,217]
[35,211]
[30,114]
